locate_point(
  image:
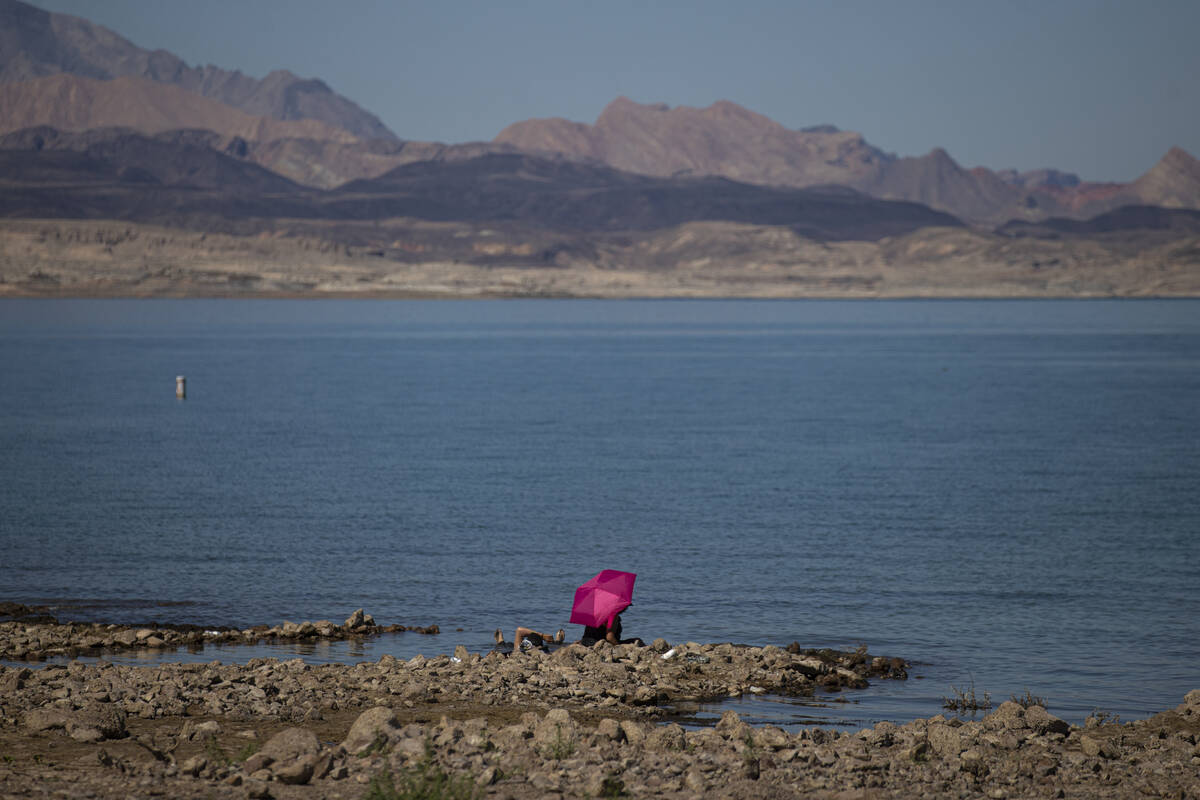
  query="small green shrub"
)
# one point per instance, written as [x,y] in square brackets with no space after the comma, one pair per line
[967,700]
[562,746]
[1029,700]
[378,747]
[382,787]
[425,781]
[214,752]
[612,787]
[250,749]
[1099,717]
[751,751]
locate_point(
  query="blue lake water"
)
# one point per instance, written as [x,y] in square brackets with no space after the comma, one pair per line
[1003,493]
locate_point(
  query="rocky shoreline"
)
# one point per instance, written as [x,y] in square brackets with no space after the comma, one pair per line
[31,634]
[577,722]
[684,673]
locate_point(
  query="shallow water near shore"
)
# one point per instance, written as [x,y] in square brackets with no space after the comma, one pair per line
[1006,493]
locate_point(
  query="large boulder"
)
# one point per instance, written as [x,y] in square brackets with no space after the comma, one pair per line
[556,735]
[294,753]
[1098,746]
[1008,715]
[635,732]
[375,724]
[193,730]
[732,727]
[126,637]
[45,719]
[1043,722]
[13,679]
[610,729]
[93,724]
[666,737]
[290,744]
[945,740]
[104,718]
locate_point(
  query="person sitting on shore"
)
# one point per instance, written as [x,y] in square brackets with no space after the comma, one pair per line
[528,639]
[611,633]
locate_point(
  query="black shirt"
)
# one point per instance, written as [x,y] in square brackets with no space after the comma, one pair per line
[593,634]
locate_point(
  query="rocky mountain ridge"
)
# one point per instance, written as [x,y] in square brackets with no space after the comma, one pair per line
[35,43]
[723,139]
[74,103]
[1174,182]
[727,140]
[45,158]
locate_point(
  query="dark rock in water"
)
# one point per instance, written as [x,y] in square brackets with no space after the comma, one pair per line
[26,613]
[126,638]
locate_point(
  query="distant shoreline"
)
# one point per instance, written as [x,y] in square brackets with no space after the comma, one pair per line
[434,296]
[88,259]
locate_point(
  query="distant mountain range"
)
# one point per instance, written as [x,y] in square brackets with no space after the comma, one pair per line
[70,74]
[93,127]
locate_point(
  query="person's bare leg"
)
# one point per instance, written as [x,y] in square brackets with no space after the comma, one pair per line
[519,636]
[560,637]
[499,636]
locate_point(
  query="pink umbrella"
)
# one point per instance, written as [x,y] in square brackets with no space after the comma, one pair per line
[602,598]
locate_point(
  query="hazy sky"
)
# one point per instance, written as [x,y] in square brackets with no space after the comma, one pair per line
[1098,88]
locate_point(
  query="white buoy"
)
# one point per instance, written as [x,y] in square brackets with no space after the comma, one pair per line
[180,386]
